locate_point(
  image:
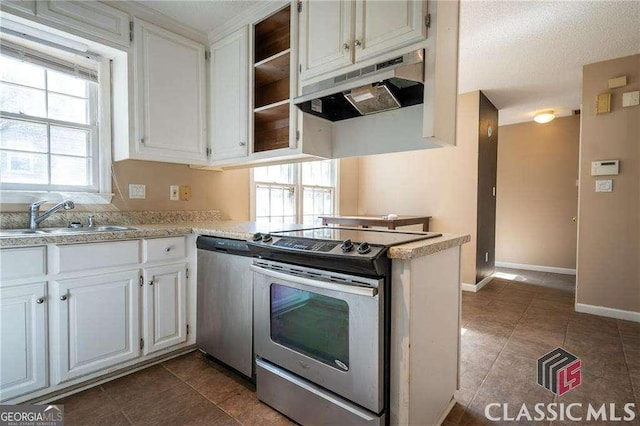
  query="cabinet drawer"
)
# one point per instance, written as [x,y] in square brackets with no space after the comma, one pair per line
[164,249]
[22,262]
[83,257]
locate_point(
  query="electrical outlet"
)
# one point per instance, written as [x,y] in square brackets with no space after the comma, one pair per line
[604,185]
[174,192]
[185,193]
[137,191]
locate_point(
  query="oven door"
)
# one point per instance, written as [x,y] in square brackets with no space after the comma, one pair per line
[323,326]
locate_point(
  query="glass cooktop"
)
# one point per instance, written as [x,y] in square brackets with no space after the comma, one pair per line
[372,236]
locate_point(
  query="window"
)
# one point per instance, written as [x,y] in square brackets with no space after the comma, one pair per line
[295,193]
[49,115]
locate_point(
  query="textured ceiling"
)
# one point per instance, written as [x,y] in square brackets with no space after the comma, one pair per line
[528,55]
[525,55]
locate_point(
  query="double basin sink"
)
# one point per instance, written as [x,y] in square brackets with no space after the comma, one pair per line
[58,231]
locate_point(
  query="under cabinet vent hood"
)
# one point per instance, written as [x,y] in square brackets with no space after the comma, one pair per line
[392,84]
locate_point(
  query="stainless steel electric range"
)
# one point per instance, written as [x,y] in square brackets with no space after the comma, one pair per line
[322,321]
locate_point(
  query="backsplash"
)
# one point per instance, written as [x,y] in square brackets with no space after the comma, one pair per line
[12,220]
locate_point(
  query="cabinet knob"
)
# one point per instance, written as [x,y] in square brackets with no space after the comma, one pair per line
[167,249]
[357,43]
[345,46]
[242,143]
[63,297]
[151,282]
[40,300]
[142,141]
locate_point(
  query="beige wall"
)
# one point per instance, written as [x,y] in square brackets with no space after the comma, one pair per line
[609,223]
[227,191]
[349,185]
[439,182]
[536,193]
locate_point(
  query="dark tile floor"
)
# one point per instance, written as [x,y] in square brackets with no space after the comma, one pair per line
[506,326]
[518,317]
[189,390]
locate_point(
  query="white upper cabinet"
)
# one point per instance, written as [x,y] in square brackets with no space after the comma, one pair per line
[382,26]
[326,36]
[23,352]
[23,6]
[230,96]
[170,96]
[336,34]
[88,17]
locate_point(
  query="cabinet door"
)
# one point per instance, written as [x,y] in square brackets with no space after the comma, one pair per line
[23,352]
[326,37]
[384,25]
[24,6]
[95,323]
[89,17]
[229,96]
[170,96]
[165,306]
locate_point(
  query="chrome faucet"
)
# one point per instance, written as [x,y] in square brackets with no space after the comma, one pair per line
[34,211]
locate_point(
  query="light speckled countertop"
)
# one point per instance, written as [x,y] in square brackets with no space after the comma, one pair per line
[220,228]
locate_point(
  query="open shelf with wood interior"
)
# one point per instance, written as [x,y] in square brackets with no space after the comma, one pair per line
[272,70]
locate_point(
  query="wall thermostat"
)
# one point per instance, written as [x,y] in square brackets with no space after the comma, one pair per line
[605,167]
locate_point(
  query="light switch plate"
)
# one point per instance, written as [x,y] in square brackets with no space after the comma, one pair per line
[137,191]
[174,192]
[185,193]
[604,185]
[630,99]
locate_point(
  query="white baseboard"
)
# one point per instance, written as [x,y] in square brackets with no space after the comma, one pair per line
[540,268]
[608,312]
[476,287]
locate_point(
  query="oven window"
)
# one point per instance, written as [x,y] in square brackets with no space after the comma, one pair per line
[314,325]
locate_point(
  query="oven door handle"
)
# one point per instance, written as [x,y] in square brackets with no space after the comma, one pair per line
[321,284]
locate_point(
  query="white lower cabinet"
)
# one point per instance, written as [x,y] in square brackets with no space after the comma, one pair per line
[164,307]
[23,334]
[95,323]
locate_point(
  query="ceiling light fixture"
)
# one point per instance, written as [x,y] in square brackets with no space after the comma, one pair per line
[544,116]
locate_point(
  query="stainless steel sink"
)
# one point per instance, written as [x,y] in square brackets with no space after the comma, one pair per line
[56,231]
[12,232]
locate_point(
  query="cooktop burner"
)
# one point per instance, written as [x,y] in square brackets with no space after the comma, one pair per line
[356,235]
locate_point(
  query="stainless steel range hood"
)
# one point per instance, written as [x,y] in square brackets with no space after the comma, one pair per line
[392,84]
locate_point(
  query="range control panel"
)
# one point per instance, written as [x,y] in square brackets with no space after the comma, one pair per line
[344,248]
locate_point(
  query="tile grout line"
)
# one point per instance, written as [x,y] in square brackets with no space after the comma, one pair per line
[116,404]
[475,394]
[626,362]
[204,396]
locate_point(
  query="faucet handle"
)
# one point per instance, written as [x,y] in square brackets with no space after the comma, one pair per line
[37,204]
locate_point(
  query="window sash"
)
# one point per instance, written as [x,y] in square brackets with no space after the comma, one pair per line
[298,190]
[93,154]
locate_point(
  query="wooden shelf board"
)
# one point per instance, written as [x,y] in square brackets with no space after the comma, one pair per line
[275,57]
[274,111]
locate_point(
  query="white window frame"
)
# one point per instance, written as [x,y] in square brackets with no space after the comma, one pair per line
[100,193]
[298,188]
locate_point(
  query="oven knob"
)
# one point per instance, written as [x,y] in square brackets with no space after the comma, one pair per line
[266,238]
[346,246]
[257,236]
[364,248]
